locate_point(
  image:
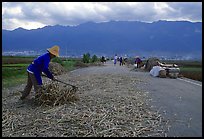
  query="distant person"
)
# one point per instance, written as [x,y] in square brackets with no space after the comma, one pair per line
[35,69]
[103,60]
[115,59]
[138,61]
[121,61]
[125,60]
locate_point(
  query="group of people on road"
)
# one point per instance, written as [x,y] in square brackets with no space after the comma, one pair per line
[137,62]
[120,59]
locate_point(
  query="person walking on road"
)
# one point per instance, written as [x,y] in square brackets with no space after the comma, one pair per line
[36,68]
[115,59]
[103,60]
[138,61]
[121,61]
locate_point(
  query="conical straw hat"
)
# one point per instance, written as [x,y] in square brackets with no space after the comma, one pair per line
[54,50]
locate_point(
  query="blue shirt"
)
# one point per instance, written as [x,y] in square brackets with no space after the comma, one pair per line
[40,65]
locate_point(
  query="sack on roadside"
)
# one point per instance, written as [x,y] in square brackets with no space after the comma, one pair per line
[173,75]
[155,71]
[162,73]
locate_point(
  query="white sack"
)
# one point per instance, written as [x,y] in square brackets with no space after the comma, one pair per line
[155,71]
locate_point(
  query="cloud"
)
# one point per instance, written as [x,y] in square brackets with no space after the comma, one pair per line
[189,10]
[32,15]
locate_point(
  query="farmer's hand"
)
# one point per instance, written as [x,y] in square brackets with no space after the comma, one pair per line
[43,74]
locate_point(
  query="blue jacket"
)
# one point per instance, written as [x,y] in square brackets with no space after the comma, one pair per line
[40,65]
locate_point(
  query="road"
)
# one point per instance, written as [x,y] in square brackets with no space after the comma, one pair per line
[179,100]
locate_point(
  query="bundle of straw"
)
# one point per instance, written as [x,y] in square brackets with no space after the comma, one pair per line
[53,94]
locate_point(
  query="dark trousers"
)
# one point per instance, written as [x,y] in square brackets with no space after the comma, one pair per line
[30,82]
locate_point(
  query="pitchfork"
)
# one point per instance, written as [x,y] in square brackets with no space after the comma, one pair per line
[74,87]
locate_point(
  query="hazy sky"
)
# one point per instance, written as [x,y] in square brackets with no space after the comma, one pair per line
[32,15]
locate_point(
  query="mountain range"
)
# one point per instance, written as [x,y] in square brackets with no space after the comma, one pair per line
[109,38]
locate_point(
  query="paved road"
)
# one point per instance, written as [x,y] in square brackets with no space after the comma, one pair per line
[179,100]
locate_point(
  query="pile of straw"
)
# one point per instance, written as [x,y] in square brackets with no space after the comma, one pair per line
[56,68]
[52,95]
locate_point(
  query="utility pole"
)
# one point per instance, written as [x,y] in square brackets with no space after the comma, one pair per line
[67,50]
[66,53]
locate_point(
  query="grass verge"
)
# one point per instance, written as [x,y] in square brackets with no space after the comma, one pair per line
[13,76]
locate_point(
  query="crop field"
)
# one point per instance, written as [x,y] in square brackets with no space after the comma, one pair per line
[13,74]
[17,59]
[14,70]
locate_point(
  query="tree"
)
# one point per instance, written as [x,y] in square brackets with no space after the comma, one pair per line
[86,58]
[94,58]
